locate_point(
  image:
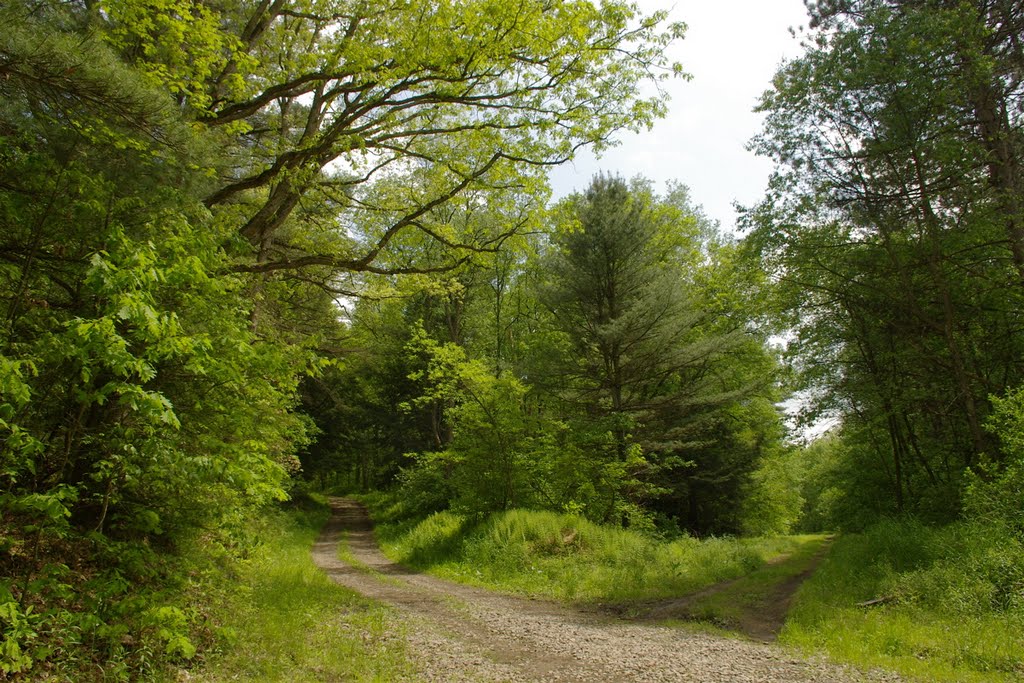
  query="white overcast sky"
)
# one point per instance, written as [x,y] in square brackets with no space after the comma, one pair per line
[732,49]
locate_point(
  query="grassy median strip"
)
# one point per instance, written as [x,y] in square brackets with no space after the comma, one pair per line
[565,556]
[934,604]
[763,594]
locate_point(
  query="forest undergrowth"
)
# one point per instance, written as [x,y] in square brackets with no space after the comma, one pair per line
[950,602]
[249,607]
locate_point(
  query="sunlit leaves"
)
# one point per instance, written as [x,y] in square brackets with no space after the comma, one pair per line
[179,45]
[348,104]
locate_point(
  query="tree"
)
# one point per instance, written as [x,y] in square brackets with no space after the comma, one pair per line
[129,368]
[892,224]
[383,401]
[116,322]
[652,353]
[384,113]
[185,188]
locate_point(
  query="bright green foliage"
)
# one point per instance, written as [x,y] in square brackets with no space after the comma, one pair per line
[119,340]
[826,471]
[121,325]
[995,494]
[178,45]
[351,128]
[1008,423]
[184,190]
[485,462]
[18,650]
[508,382]
[137,403]
[773,503]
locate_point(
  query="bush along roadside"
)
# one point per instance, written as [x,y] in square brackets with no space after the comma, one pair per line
[87,608]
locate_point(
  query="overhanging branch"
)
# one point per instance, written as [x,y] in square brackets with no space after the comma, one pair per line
[357,266]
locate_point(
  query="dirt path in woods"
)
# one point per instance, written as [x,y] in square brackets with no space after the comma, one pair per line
[460,633]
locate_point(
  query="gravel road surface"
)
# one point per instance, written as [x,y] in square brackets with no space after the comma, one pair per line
[460,633]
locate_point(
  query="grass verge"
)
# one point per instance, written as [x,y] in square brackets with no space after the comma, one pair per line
[952,604]
[291,623]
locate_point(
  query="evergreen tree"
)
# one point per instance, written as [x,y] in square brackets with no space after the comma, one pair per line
[653,359]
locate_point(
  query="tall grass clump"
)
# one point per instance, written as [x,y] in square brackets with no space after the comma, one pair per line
[564,556]
[950,602]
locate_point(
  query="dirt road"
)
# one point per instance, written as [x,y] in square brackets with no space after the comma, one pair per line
[459,633]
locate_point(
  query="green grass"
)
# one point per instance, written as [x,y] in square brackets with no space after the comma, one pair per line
[955,608]
[565,556]
[291,623]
